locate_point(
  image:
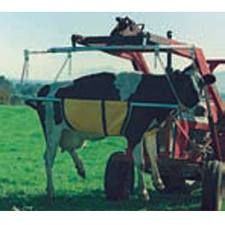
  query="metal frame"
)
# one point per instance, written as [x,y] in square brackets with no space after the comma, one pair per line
[156,44]
[109,49]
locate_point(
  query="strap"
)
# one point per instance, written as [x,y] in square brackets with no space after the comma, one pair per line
[104,126]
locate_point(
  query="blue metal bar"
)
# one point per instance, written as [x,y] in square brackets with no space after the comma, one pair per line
[112,48]
[117,48]
[133,104]
[41,99]
[154,105]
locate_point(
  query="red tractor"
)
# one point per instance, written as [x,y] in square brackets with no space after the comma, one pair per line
[189,147]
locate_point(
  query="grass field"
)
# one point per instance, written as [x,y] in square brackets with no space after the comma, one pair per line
[22,176]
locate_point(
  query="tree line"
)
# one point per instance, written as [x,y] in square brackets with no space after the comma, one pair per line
[11,90]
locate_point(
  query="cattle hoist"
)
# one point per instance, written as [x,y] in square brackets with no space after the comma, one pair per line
[191,145]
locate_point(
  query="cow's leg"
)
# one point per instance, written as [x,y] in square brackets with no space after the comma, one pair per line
[52,143]
[78,163]
[139,163]
[70,141]
[150,143]
[49,157]
[143,191]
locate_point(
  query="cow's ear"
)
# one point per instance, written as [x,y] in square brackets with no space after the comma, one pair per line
[209,79]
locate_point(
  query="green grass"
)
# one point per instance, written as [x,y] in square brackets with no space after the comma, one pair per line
[22,175]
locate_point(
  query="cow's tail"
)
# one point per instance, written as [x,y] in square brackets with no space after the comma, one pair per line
[32,103]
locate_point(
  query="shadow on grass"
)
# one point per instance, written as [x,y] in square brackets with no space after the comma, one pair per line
[95,201]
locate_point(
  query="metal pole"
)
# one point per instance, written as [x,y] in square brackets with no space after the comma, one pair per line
[213,127]
[25,70]
[169,68]
[61,69]
[70,64]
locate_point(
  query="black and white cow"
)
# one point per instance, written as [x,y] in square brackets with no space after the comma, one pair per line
[101,104]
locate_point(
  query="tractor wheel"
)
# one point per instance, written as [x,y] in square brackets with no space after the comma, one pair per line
[119,177]
[173,184]
[212,187]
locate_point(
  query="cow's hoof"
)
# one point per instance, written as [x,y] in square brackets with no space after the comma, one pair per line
[50,195]
[81,173]
[159,186]
[144,195]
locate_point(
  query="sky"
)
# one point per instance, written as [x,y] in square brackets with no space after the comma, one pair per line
[36,31]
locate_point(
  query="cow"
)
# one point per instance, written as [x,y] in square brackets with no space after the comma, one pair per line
[108,104]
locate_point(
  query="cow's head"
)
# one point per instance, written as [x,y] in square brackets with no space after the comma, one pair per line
[189,86]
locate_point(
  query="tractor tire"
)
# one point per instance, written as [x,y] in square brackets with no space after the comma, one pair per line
[223,180]
[119,177]
[173,184]
[212,189]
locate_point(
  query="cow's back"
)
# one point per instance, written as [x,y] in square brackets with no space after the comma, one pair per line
[95,87]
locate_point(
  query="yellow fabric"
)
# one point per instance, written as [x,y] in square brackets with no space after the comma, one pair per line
[84,115]
[116,112]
